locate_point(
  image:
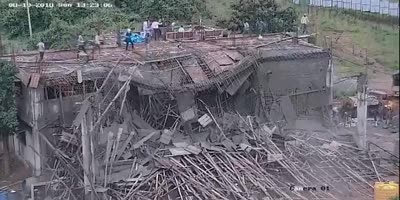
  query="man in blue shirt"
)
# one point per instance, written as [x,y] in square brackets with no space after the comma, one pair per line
[128,39]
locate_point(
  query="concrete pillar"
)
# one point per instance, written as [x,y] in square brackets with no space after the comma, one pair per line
[36,113]
[362,112]
[329,80]
[86,155]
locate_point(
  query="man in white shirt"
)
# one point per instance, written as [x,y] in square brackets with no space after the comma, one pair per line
[97,41]
[81,45]
[246,28]
[156,29]
[181,29]
[304,22]
[41,49]
[145,25]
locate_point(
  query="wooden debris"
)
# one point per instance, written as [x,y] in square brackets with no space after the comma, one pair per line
[24,77]
[178,151]
[274,157]
[143,140]
[166,136]
[140,123]
[82,111]
[69,138]
[79,75]
[35,78]
[188,115]
[204,120]
[242,159]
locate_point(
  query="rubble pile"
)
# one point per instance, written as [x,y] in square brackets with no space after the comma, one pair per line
[224,156]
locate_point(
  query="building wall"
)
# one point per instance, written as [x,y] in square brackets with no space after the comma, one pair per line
[36,111]
[29,111]
[301,79]
[24,150]
[51,110]
[293,76]
[24,106]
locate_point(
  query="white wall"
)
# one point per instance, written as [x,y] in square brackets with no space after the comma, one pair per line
[25,151]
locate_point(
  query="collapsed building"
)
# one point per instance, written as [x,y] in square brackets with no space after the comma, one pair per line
[192,119]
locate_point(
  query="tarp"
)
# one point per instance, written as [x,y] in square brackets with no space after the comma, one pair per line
[136,38]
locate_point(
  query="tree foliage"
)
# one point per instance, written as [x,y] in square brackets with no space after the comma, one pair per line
[8,111]
[265,11]
[169,10]
[59,26]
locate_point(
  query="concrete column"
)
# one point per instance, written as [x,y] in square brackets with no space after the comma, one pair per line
[362,111]
[86,156]
[329,80]
[36,112]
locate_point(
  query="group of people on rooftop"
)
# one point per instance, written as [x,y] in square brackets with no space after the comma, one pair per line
[151,30]
[80,44]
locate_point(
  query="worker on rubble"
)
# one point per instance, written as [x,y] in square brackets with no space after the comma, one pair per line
[304,22]
[389,115]
[97,41]
[260,27]
[145,25]
[246,28]
[181,29]
[375,116]
[41,49]
[156,30]
[128,40]
[81,44]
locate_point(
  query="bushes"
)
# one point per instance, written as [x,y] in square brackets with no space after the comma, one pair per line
[57,36]
[268,12]
[63,35]
[59,26]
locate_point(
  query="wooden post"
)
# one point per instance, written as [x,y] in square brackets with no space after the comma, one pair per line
[86,151]
[61,106]
[91,138]
[29,19]
[362,106]
[362,111]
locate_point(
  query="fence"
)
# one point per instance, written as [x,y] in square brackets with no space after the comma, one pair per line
[384,7]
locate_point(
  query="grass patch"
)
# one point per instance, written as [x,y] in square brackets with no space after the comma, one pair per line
[220,9]
[9,45]
[381,41]
[346,68]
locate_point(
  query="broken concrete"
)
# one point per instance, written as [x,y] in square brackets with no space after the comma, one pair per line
[147,142]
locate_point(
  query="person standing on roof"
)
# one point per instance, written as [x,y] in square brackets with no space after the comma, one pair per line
[146,28]
[156,29]
[81,44]
[261,28]
[145,25]
[181,29]
[97,41]
[128,40]
[304,22]
[41,49]
[246,28]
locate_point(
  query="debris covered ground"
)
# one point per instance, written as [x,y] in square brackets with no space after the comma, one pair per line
[195,120]
[227,156]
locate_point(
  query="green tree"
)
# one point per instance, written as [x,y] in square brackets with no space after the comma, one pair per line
[168,9]
[264,12]
[8,111]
